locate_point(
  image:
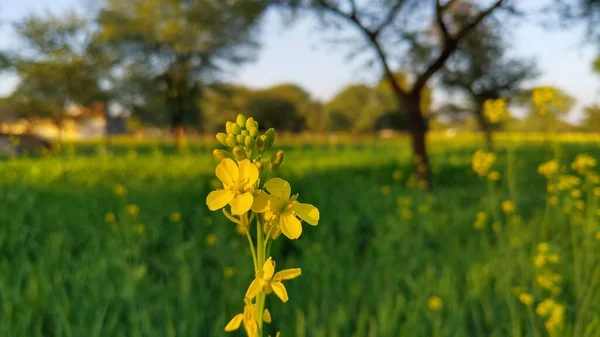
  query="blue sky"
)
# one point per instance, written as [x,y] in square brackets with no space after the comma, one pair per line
[298,55]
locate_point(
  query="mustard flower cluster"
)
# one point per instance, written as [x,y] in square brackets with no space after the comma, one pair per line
[495,110]
[243,171]
[482,162]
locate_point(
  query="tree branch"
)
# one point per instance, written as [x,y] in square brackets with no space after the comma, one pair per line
[449,46]
[389,17]
[439,16]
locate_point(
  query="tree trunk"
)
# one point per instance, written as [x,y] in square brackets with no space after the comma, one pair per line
[418,130]
[177,121]
[487,132]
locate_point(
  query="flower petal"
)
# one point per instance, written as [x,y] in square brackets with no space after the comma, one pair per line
[241,203]
[268,269]
[251,328]
[287,274]
[280,291]
[279,188]
[254,288]
[235,322]
[306,212]
[219,199]
[227,171]
[262,202]
[290,225]
[267,316]
[248,172]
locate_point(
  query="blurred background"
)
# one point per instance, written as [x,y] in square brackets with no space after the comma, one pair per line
[450,146]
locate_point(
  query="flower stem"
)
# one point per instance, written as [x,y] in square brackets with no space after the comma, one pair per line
[246,225]
[260,298]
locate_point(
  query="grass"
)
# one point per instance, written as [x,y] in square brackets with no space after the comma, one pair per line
[78,260]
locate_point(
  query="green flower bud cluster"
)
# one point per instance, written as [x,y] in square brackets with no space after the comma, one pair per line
[243,141]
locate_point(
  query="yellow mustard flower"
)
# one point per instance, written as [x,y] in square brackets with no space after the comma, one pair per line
[110,217]
[268,281]
[539,260]
[238,185]
[508,207]
[576,193]
[549,168]
[397,175]
[133,209]
[482,162]
[435,303]
[545,307]
[228,272]
[543,247]
[210,240]
[526,298]
[495,110]
[598,235]
[567,182]
[583,162]
[248,319]
[175,217]
[597,191]
[494,176]
[553,200]
[120,190]
[385,190]
[282,210]
[556,318]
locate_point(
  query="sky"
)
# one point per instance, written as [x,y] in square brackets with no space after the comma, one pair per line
[297,54]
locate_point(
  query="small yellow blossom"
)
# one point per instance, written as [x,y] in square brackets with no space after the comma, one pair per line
[397,175]
[140,229]
[210,240]
[526,298]
[553,200]
[539,260]
[228,272]
[554,258]
[110,217]
[597,191]
[543,247]
[385,190]
[495,110]
[598,235]
[583,162]
[268,281]
[480,220]
[576,193]
[545,307]
[238,185]
[175,217]
[508,207]
[133,210]
[282,210]
[248,319]
[496,226]
[579,204]
[567,182]
[482,162]
[494,176]
[407,214]
[549,168]
[435,303]
[120,190]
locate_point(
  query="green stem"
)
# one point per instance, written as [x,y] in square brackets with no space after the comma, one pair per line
[252,250]
[260,298]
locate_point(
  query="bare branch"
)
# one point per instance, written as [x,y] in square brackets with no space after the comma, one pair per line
[439,16]
[389,17]
[353,6]
[449,46]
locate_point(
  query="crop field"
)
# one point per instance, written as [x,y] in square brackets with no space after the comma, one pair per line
[122,244]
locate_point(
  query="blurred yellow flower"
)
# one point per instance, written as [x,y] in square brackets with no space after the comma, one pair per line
[175,217]
[282,210]
[597,191]
[553,200]
[110,217]
[140,229]
[210,240]
[543,309]
[120,190]
[526,299]
[385,190]
[598,235]
[407,214]
[576,193]
[228,272]
[580,205]
[238,185]
[495,110]
[556,319]
[397,175]
[268,281]
[583,162]
[508,207]
[494,176]
[549,168]
[554,258]
[539,260]
[543,247]
[482,162]
[133,209]
[567,182]
[435,303]
[480,220]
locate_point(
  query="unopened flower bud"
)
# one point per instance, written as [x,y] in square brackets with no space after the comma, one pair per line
[236,129]
[244,133]
[221,154]
[253,132]
[240,139]
[230,141]
[270,134]
[249,142]
[260,143]
[250,124]
[229,128]
[222,137]
[241,120]
[276,160]
[239,153]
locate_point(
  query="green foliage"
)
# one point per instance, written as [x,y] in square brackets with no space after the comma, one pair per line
[591,119]
[83,262]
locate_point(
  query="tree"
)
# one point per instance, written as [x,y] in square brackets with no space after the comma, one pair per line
[58,66]
[183,44]
[481,70]
[546,105]
[574,12]
[309,110]
[397,26]
[354,109]
[591,120]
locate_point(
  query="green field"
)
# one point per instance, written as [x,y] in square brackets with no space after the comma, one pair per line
[77,259]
